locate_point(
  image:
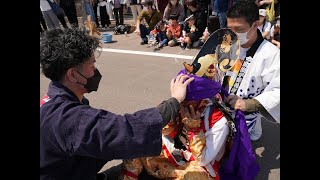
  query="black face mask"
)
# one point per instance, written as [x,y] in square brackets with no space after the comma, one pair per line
[92,82]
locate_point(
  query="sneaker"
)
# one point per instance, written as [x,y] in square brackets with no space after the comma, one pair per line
[144,42]
[157,48]
[183,47]
[188,47]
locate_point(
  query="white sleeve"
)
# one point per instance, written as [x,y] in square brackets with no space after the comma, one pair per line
[270,98]
[98,11]
[267,27]
[215,138]
[271,31]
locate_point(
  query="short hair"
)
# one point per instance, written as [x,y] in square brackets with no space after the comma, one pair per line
[193,3]
[246,9]
[64,49]
[213,24]
[147,3]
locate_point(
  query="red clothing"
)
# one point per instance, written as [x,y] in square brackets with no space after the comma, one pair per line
[175,30]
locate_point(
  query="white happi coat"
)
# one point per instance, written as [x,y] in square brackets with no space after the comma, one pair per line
[261,81]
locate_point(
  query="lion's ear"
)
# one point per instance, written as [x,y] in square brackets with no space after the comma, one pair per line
[188,67]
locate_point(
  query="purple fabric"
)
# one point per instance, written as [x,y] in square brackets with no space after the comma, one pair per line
[241,163]
[201,88]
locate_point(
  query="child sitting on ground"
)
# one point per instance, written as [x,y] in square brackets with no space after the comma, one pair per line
[174,30]
[160,33]
[188,33]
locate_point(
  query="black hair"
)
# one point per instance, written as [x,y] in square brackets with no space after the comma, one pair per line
[193,3]
[246,9]
[173,17]
[213,24]
[148,3]
[169,5]
[160,24]
[63,49]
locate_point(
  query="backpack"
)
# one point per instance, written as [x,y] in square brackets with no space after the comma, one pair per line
[121,29]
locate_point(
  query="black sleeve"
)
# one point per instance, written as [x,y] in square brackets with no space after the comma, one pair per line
[80,130]
[169,110]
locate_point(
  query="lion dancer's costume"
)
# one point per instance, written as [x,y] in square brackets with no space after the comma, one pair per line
[206,143]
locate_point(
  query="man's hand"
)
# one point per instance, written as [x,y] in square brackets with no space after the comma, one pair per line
[178,88]
[236,102]
[137,31]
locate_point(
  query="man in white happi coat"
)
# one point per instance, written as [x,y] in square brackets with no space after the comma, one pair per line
[254,80]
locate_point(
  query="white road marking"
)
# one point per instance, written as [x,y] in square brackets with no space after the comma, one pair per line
[147,53]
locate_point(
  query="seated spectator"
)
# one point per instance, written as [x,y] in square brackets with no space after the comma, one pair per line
[189,33]
[213,25]
[275,33]
[174,7]
[263,25]
[173,31]
[160,33]
[151,16]
[200,22]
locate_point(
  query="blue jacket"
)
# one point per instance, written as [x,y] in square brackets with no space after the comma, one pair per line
[76,140]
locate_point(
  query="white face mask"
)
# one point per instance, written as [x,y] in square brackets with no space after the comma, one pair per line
[174,2]
[243,37]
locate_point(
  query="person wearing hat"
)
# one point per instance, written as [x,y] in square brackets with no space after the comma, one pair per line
[254,85]
[151,16]
[76,139]
[263,25]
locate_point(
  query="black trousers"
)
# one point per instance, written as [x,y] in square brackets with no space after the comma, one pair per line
[116,15]
[62,20]
[95,9]
[105,19]
[69,9]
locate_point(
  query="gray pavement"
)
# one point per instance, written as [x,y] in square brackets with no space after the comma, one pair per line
[133,82]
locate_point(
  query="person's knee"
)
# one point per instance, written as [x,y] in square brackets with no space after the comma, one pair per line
[187,40]
[170,43]
[169,34]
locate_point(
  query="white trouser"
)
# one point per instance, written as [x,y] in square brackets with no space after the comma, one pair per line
[135,9]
